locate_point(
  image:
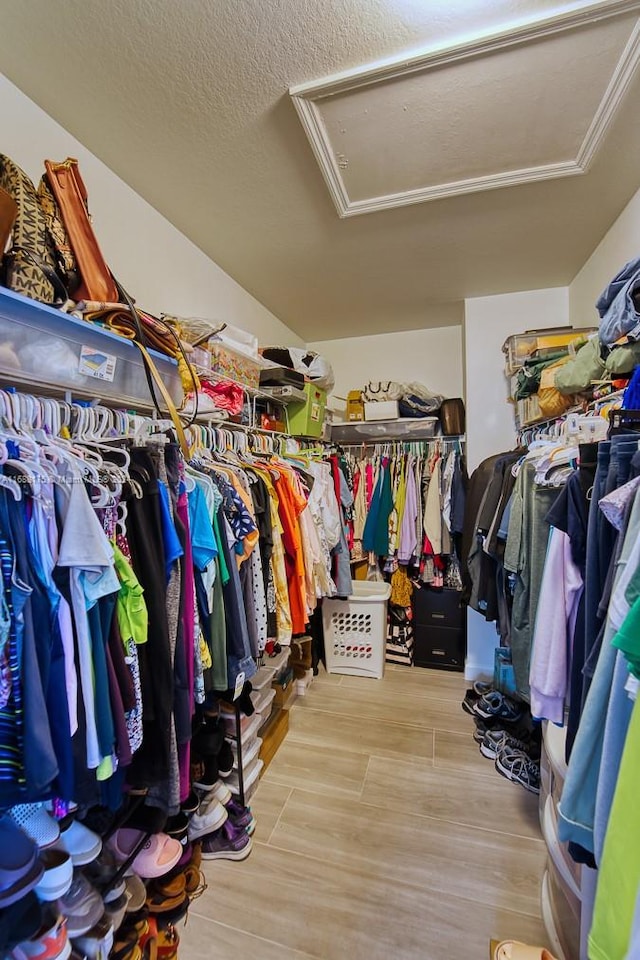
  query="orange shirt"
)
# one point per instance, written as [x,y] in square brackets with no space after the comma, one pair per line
[291,505]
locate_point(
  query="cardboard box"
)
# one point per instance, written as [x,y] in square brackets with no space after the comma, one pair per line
[355,405]
[382,410]
[301,653]
[283,686]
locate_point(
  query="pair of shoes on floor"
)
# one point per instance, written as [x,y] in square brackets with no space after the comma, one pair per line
[239,815]
[516,760]
[500,741]
[495,705]
[521,769]
[473,694]
[227,843]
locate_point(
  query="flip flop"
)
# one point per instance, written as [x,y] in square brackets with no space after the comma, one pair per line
[158,855]
[514,950]
[20,869]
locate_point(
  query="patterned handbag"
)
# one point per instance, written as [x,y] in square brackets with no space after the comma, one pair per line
[30,266]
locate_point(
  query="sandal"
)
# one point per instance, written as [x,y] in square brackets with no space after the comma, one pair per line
[168,943]
[148,941]
[514,950]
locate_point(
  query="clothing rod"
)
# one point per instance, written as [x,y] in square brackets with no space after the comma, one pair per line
[407,440]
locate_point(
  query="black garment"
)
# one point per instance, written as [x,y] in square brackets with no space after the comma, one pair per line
[316,632]
[570,514]
[238,659]
[262,508]
[478,484]
[144,533]
[494,503]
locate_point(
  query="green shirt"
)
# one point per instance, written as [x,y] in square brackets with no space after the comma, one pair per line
[131,609]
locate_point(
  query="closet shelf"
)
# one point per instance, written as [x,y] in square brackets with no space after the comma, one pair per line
[292,395]
[364,431]
[46,349]
[210,419]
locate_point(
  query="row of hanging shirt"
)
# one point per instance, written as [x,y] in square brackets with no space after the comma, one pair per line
[576,646]
[137,585]
[409,500]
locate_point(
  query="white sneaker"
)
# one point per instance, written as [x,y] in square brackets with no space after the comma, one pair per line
[209,817]
[221,793]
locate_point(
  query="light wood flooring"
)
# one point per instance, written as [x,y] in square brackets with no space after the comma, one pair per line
[382,834]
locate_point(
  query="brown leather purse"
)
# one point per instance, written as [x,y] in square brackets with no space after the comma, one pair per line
[8,214]
[118,318]
[67,186]
[452,417]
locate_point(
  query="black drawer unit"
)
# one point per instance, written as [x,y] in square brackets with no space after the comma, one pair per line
[438,608]
[439,629]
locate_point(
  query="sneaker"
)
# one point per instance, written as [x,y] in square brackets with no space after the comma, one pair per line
[36,823]
[221,792]
[519,768]
[50,943]
[227,843]
[101,873]
[115,911]
[482,687]
[82,906]
[482,727]
[81,843]
[191,804]
[210,816]
[225,760]
[97,943]
[241,817]
[495,706]
[498,741]
[470,698]
[205,774]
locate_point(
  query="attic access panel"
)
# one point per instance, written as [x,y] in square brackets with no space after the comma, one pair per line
[529,103]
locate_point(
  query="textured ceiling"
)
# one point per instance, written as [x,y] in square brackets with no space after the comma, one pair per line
[188,103]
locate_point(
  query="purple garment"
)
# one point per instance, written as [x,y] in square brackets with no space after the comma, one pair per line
[408,537]
[123,748]
[188,636]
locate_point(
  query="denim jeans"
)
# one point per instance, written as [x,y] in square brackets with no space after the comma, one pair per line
[578,804]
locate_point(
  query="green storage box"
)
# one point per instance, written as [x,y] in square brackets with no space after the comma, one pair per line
[306,418]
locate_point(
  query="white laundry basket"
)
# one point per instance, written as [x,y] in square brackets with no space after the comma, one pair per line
[355,630]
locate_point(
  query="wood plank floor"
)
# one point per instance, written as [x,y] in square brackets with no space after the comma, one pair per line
[382,835]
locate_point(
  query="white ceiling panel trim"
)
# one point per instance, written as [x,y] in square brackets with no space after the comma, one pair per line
[308,98]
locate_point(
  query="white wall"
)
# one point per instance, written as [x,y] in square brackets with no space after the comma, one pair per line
[490,418]
[488,323]
[620,244]
[432,357]
[159,266]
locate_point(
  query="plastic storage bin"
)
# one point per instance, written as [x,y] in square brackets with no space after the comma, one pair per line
[518,347]
[355,630]
[47,348]
[408,428]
